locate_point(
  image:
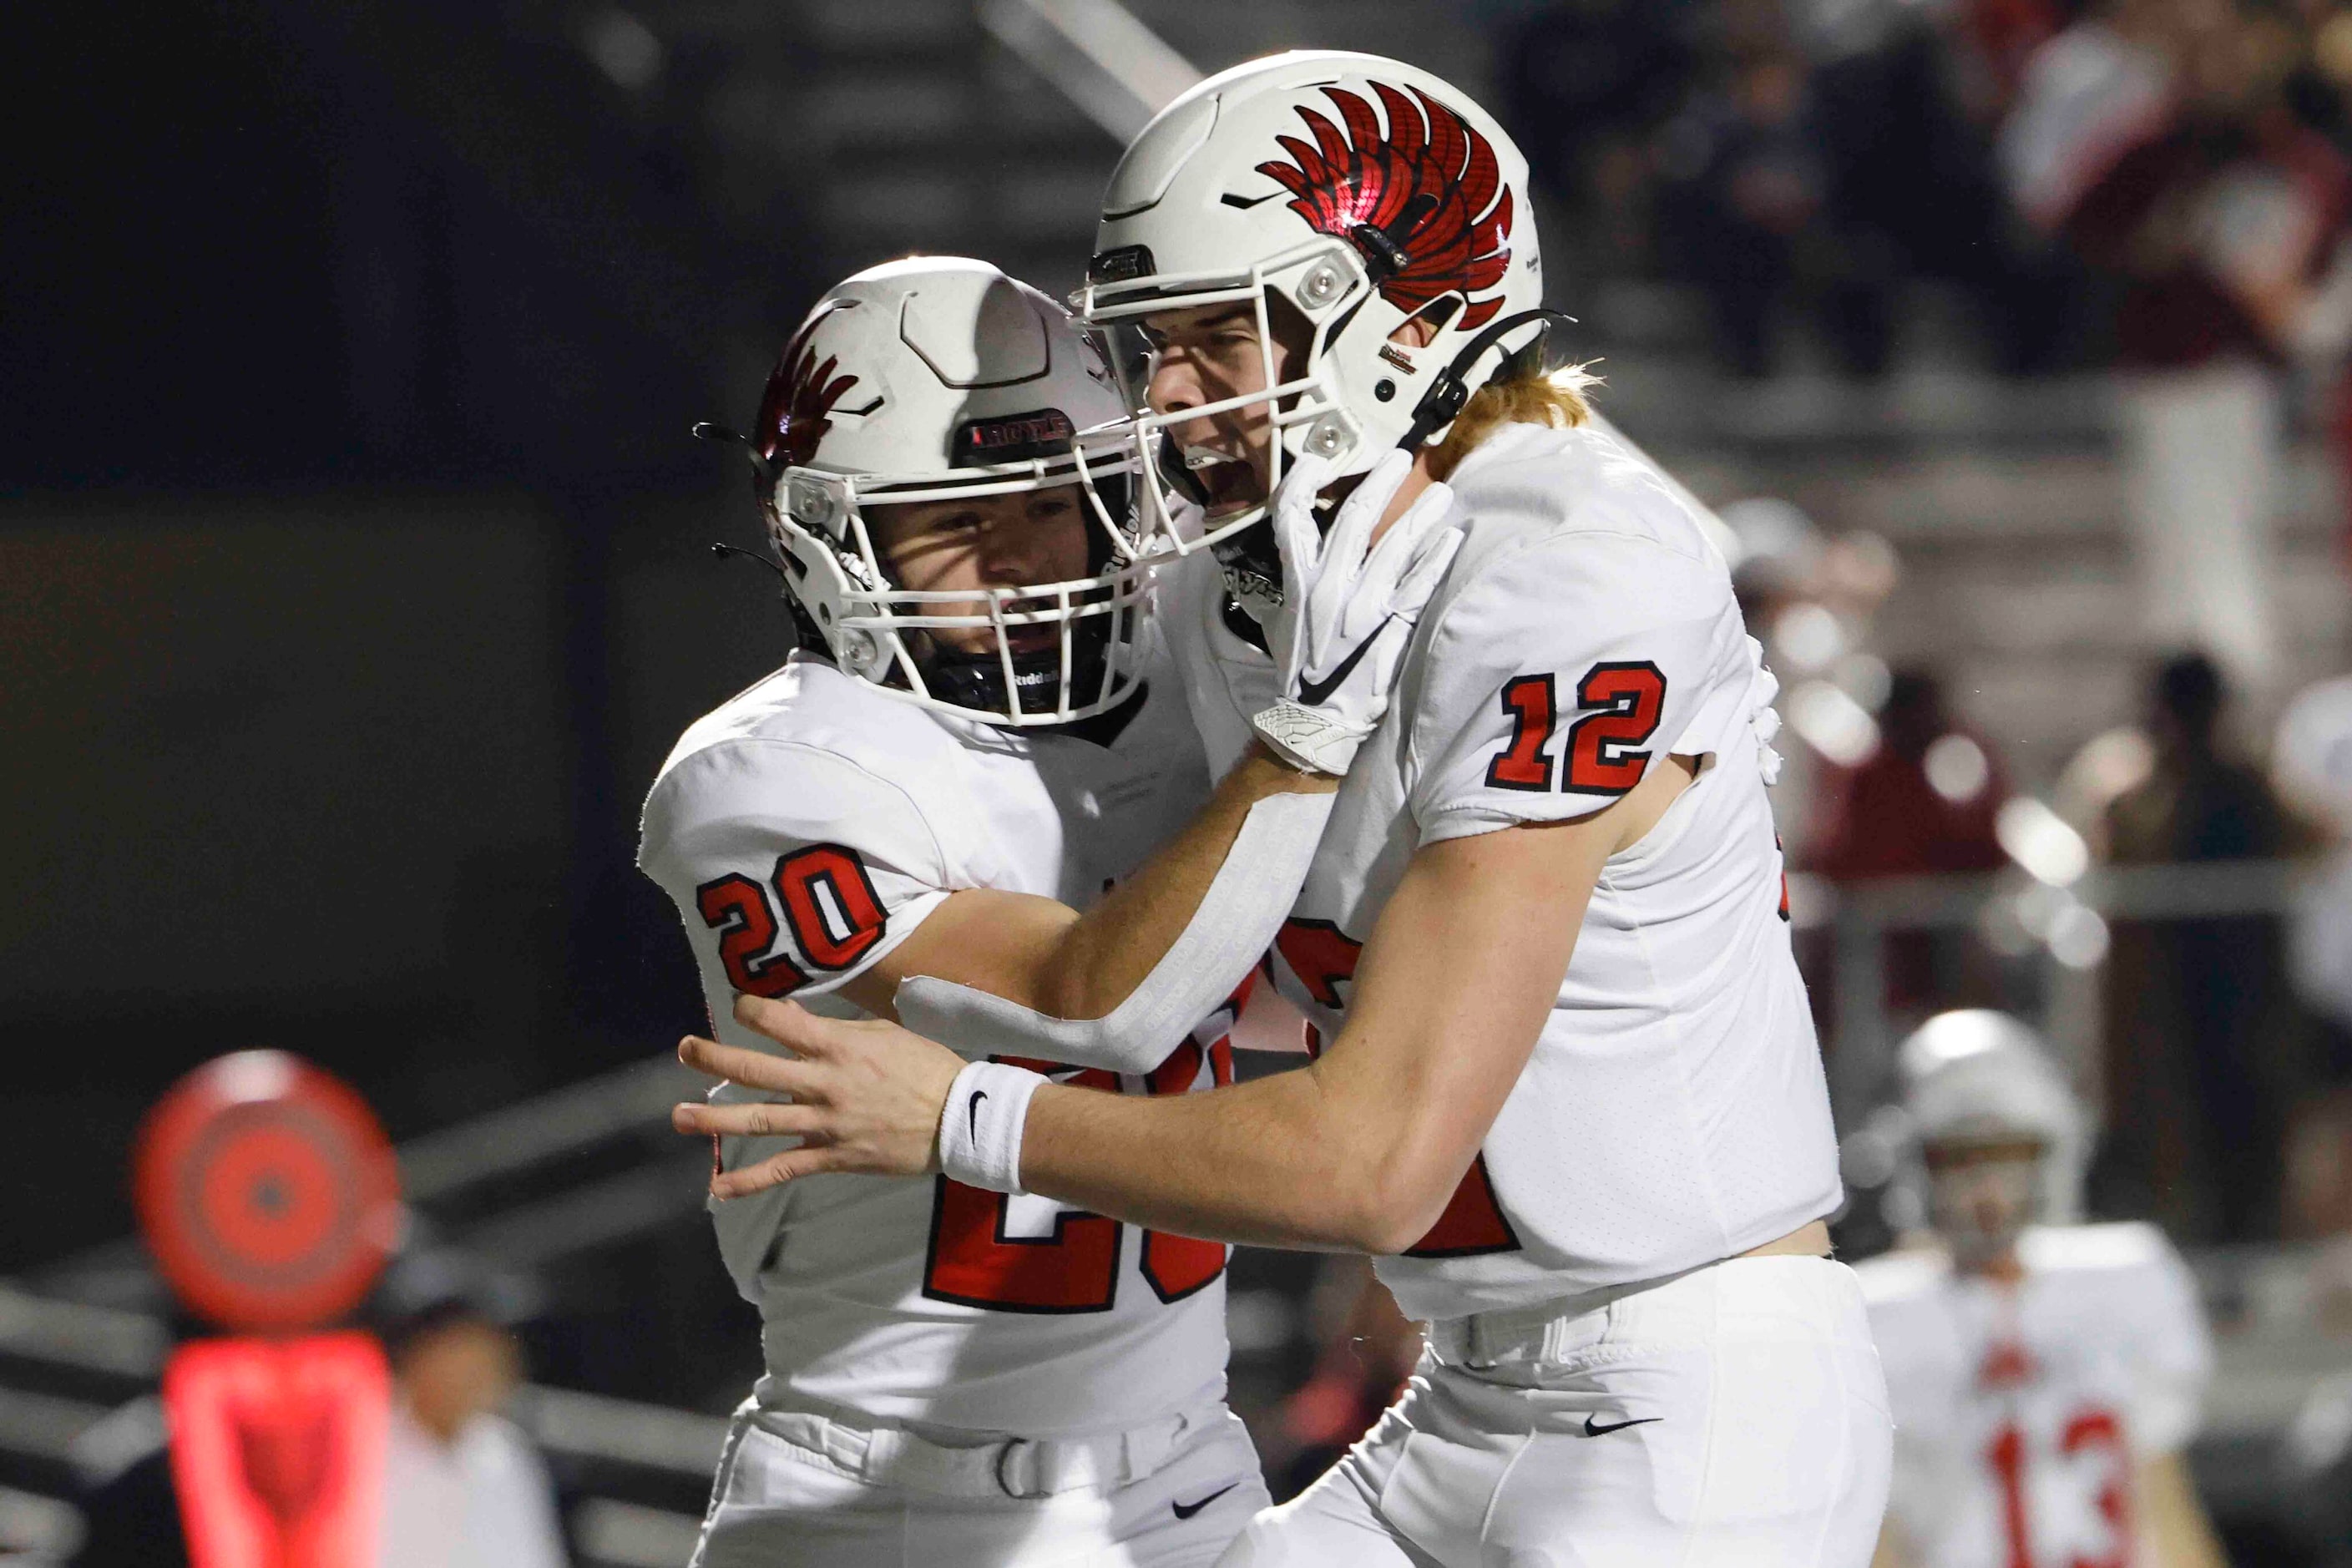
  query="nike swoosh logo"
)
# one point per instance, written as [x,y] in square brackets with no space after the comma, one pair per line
[1591,1430]
[973,1111]
[1186,1511]
[1311,693]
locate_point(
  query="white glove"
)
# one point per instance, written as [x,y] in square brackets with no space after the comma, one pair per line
[1348,616]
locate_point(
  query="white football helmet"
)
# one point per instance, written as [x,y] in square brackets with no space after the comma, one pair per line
[1980,1079]
[1364,192]
[934,378]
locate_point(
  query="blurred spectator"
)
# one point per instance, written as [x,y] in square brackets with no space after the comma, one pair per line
[2158,137]
[1904,101]
[1810,600]
[2202,1040]
[1583,88]
[2311,766]
[1922,804]
[1743,189]
[463,1487]
[1369,1348]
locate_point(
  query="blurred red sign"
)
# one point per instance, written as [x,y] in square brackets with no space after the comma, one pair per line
[278,1449]
[266,1192]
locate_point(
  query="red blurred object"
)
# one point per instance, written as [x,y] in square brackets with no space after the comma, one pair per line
[278,1449]
[266,1192]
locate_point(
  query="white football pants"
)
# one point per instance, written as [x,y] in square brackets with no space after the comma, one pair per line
[1730,1418]
[777,1503]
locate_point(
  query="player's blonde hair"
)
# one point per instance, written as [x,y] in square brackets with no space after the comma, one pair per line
[1537,398]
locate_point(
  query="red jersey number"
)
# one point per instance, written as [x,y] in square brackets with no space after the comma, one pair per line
[1623,702]
[827,898]
[976,1259]
[1600,758]
[1323,956]
[2089,1431]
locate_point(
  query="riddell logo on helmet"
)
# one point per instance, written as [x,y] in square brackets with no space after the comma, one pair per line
[1123,265]
[1424,200]
[1043,433]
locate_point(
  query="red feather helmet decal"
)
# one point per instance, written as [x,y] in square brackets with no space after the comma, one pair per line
[1429,186]
[800,395]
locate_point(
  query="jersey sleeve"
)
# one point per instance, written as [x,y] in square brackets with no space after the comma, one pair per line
[2174,1351]
[1561,671]
[795,869]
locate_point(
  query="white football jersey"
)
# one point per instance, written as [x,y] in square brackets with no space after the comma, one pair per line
[803,830]
[1674,1110]
[2023,1414]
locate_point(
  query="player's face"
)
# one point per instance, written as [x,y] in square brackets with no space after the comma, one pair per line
[1018,540]
[1206,355]
[1981,1195]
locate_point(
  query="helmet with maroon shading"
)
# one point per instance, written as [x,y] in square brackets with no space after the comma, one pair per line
[936,378]
[1360,192]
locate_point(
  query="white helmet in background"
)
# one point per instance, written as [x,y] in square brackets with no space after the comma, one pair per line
[929,379]
[1363,192]
[1997,1129]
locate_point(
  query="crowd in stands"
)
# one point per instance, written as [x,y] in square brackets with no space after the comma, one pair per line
[2160,189]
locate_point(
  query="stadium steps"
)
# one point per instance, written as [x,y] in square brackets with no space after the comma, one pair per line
[2018,579]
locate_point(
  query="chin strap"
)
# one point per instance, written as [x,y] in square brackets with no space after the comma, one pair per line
[1444,400]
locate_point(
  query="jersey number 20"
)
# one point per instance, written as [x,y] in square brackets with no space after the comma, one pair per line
[827,898]
[975,1259]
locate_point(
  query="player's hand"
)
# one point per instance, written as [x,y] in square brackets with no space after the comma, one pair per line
[1348,606]
[866,1097]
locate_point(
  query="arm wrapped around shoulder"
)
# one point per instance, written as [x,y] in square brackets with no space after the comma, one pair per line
[1237,920]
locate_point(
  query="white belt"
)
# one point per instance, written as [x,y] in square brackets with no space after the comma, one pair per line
[989,1467]
[1540,1331]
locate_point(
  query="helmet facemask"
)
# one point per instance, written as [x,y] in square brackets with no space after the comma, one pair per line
[1220,460]
[939,383]
[1052,652]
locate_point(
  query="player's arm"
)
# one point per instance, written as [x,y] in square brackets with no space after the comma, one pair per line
[2160,1312]
[1360,1151]
[1044,956]
[1110,988]
[1893,1551]
[2175,1517]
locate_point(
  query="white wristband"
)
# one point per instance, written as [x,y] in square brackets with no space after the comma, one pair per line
[981,1125]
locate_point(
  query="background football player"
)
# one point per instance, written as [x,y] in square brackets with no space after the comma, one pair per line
[2044,1377]
[1572,1090]
[953,1374]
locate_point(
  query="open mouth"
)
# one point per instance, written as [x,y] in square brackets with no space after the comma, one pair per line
[1031,640]
[1223,484]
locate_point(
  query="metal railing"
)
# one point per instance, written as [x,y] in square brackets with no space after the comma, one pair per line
[2058,928]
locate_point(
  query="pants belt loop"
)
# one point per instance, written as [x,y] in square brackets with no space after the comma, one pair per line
[869,1454]
[1020,1470]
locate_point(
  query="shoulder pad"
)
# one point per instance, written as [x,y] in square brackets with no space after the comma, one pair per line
[2123,1244]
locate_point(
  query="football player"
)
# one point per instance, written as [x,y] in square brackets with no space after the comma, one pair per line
[2044,1377]
[1570,1091]
[953,1374]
